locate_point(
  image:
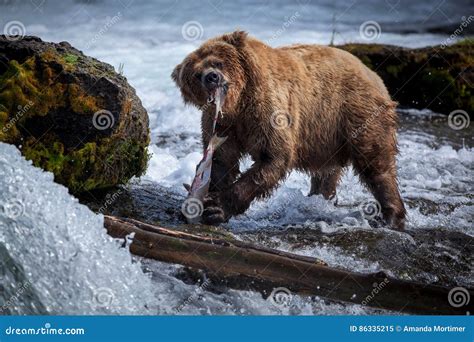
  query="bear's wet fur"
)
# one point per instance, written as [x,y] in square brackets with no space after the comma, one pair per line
[310,108]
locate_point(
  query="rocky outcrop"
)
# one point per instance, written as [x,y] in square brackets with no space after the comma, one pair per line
[71,114]
[440,78]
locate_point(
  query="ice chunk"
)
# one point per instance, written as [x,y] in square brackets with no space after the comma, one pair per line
[68,261]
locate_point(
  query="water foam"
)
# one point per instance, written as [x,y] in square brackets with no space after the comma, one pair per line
[65,254]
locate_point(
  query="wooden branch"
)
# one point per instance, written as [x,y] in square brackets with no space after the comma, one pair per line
[231,259]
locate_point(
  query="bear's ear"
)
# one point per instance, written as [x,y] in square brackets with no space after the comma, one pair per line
[236,38]
[176,74]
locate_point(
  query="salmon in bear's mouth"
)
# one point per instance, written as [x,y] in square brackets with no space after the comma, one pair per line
[217,94]
[216,97]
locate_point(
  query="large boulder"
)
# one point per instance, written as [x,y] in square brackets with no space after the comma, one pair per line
[71,114]
[440,78]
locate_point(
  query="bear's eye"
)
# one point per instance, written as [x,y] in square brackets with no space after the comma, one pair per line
[217,65]
[198,75]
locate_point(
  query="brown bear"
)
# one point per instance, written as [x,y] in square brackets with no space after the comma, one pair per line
[303,107]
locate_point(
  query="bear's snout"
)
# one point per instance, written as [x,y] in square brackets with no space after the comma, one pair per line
[212,79]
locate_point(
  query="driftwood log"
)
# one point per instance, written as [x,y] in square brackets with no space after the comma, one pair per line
[229,259]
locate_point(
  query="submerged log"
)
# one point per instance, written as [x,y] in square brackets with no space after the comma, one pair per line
[228,259]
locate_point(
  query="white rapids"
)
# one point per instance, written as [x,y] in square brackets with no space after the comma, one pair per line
[59,248]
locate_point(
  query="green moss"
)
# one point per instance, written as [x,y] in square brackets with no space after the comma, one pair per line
[50,158]
[71,59]
[363,48]
[468,41]
[22,84]
[30,90]
[433,77]
[80,102]
[394,69]
[366,60]
[95,165]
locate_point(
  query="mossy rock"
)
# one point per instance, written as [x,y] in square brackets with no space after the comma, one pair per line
[71,114]
[440,78]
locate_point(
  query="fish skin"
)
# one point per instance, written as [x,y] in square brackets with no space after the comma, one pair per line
[199,188]
[200,185]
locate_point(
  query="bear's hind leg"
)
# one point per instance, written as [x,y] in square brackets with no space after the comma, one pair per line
[380,176]
[325,183]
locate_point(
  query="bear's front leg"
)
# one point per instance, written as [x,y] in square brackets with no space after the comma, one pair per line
[225,170]
[257,182]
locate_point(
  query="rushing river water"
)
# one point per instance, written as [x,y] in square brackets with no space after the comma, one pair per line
[55,256]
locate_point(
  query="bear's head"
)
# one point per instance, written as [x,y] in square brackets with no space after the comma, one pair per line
[215,67]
